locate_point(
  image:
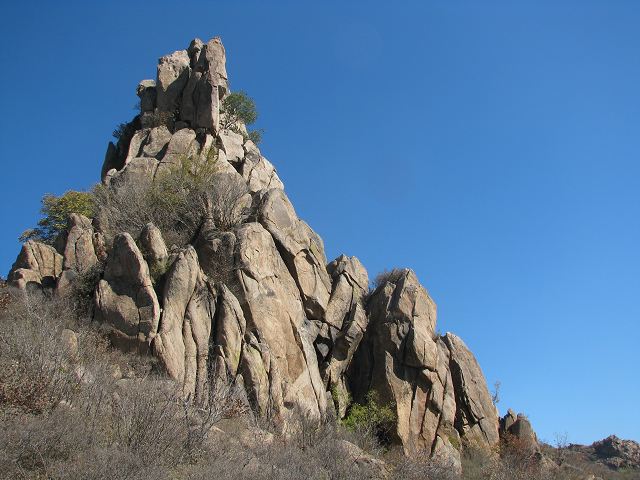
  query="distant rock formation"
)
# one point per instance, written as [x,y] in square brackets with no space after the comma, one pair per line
[613,452]
[285,323]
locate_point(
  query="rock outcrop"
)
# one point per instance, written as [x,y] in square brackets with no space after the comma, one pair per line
[618,453]
[519,427]
[408,366]
[125,298]
[476,415]
[257,302]
[37,266]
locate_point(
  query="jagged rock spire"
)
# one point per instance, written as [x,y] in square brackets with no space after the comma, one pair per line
[258,303]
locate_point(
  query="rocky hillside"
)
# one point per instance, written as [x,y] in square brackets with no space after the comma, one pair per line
[254,299]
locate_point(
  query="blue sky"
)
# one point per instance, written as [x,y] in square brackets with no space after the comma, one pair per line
[490,146]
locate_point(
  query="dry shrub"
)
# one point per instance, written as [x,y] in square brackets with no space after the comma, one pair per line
[177,201]
[385,276]
[68,414]
[34,372]
[420,466]
[513,462]
[314,449]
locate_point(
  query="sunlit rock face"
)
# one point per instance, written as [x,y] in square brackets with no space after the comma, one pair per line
[257,302]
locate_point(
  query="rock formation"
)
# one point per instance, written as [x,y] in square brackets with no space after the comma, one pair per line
[258,302]
[614,452]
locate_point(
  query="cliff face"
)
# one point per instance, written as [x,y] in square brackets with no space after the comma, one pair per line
[259,302]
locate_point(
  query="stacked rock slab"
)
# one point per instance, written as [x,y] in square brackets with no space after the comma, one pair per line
[257,304]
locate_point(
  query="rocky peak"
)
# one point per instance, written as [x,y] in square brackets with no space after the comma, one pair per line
[258,302]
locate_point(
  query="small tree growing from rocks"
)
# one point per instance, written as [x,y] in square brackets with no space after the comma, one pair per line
[55,214]
[238,108]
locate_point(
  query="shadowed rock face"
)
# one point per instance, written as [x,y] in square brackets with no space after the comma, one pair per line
[258,303]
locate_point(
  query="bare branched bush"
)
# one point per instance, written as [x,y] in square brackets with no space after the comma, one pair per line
[421,466]
[514,462]
[229,201]
[221,400]
[67,413]
[314,449]
[34,372]
[385,276]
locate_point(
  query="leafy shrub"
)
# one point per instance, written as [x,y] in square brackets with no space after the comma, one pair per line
[238,108]
[255,136]
[56,211]
[371,417]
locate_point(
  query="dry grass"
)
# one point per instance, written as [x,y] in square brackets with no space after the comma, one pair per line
[96,413]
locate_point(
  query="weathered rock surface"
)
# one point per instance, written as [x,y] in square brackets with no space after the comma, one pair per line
[518,427]
[302,250]
[257,303]
[476,416]
[125,298]
[407,366]
[273,310]
[343,326]
[79,250]
[179,287]
[618,453]
[146,91]
[173,75]
[38,265]
[153,247]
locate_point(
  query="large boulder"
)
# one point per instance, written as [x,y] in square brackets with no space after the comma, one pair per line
[618,453]
[258,172]
[230,328]
[180,284]
[207,85]
[407,366]
[125,300]
[153,248]
[523,431]
[149,142]
[344,324]
[146,91]
[38,265]
[476,415]
[302,250]
[79,251]
[273,309]
[173,75]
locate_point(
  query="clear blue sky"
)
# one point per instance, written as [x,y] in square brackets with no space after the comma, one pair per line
[491,146]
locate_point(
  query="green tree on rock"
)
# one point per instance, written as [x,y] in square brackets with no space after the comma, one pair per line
[238,108]
[55,214]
